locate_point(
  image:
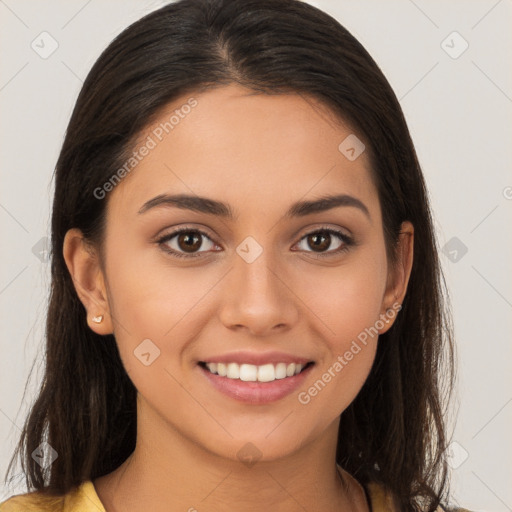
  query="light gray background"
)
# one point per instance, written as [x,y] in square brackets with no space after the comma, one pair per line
[459,113]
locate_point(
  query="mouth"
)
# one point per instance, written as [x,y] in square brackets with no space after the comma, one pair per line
[255,373]
[256,383]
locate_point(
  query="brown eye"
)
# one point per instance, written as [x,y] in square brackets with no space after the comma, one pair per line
[185,242]
[189,242]
[321,240]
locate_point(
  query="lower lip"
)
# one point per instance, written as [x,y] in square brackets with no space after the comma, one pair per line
[256,392]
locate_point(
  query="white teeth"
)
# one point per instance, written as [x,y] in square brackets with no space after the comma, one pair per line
[233,371]
[221,369]
[248,372]
[253,373]
[280,370]
[266,373]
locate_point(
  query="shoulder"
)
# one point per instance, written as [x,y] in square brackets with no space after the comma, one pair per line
[32,501]
[380,498]
[80,499]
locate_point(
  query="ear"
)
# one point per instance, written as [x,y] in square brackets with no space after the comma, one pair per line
[398,276]
[83,263]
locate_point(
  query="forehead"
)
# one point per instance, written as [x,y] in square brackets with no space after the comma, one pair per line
[245,148]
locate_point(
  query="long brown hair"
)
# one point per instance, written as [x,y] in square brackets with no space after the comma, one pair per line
[394,431]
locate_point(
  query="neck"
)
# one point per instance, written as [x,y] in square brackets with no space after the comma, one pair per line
[168,471]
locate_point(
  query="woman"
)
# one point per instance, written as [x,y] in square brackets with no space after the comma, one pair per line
[246,308]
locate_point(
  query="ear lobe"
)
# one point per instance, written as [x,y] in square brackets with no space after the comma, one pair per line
[398,275]
[82,261]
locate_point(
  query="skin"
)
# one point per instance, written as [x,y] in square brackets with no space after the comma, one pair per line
[259,154]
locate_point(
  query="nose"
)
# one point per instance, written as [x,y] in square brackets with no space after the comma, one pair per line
[257,298]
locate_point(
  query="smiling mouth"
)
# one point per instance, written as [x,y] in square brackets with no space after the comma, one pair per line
[255,373]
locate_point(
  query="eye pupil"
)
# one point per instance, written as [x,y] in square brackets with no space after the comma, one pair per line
[320,245]
[191,242]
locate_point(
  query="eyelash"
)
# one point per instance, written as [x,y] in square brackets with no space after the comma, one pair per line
[347,241]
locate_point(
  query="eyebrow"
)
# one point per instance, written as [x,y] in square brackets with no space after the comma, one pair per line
[217,208]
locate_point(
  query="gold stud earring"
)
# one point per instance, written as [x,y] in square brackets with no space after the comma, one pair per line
[97,319]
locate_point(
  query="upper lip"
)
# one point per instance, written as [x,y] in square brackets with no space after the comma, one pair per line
[257,358]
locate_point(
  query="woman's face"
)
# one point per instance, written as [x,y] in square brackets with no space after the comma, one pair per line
[253,283]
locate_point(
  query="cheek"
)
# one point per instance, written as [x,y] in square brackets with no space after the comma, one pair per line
[348,302]
[146,295]
[348,298]
[151,300]
[337,383]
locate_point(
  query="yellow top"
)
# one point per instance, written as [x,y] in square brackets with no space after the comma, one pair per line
[81,499]
[84,499]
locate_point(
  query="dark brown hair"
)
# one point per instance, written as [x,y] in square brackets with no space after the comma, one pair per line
[394,430]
